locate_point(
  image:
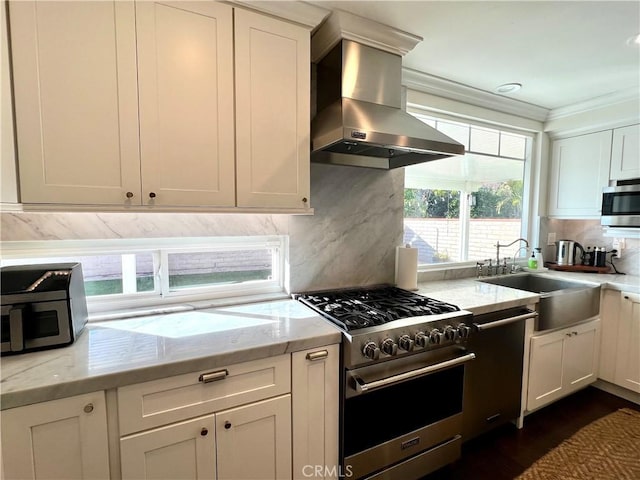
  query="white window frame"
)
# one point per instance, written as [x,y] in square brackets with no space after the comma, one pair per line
[23,252]
[529,165]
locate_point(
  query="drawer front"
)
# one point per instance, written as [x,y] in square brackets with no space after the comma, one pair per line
[160,402]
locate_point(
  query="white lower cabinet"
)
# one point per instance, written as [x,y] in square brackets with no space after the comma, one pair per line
[182,450]
[65,438]
[562,362]
[315,402]
[620,358]
[235,422]
[254,441]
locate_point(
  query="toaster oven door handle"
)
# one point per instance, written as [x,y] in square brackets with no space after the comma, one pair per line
[362,387]
[16,328]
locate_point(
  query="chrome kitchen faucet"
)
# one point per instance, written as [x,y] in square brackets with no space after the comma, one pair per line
[498,246]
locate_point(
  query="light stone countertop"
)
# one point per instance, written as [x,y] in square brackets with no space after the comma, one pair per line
[120,352]
[478,298]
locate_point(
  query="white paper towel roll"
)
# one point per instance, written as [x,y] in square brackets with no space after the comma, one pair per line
[407,267]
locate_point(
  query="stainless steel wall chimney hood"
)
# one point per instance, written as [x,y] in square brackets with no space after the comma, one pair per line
[360,121]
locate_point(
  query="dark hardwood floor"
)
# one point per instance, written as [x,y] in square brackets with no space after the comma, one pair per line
[507,452]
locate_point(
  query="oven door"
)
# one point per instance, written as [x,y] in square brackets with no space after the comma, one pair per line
[36,325]
[397,411]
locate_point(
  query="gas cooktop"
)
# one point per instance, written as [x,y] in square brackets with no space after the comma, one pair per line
[356,308]
[380,323]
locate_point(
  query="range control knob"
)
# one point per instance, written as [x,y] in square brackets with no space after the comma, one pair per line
[450,333]
[405,343]
[389,347]
[435,336]
[371,351]
[463,330]
[421,339]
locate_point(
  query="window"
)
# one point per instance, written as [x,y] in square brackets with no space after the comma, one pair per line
[144,272]
[456,209]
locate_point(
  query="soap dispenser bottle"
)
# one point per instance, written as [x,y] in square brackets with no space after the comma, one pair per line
[533,262]
[539,259]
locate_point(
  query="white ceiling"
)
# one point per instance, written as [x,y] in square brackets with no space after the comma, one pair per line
[562,52]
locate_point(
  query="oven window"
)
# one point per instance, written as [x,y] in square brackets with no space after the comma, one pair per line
[41,324]
[381,415]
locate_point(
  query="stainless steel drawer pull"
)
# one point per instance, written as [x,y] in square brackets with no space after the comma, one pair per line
[321,355]
[213,376]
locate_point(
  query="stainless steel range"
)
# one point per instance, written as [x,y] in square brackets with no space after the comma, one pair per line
[403,358]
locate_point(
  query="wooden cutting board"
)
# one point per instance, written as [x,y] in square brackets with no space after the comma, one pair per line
[577,268]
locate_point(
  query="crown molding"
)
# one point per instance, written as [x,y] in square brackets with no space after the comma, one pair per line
[622,96]
[344,25]
[302,13]
[441,87]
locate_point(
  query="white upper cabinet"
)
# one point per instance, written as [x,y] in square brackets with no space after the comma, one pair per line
[137,104]
[625,153]
[76,101]
[185,73]
[273,111]
[579,171]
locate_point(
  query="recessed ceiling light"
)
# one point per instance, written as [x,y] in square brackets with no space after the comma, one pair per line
[634,41]
[508,88]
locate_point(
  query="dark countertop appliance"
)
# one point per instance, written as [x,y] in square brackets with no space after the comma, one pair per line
[405,352]
[43,306]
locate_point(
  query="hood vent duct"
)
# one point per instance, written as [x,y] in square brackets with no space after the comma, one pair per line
[360,121]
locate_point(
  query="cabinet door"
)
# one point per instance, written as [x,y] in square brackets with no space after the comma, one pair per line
[314,397]
[545,369]
[64,438]
[581,356]
[625,153]
[579,171]
[8,172]
[272,112]
[185,450]
[609,318]
[75,87]
[185,68]
[254,441]
[628,358]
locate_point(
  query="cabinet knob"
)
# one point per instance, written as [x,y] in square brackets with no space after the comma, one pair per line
[227,425]
[129,194]
[152,195]
[305,199]
[88,408]
[204,432]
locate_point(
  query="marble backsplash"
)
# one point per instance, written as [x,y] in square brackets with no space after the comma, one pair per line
[350,240]
[589,234]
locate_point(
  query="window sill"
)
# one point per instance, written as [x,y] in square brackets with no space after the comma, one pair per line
[185,307]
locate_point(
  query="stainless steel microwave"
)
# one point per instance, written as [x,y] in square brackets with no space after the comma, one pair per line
[43,306]
[621,206]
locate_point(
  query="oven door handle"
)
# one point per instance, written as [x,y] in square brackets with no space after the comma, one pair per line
[362,387]
[498,323]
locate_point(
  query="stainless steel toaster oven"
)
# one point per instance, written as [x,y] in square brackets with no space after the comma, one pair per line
[42,306]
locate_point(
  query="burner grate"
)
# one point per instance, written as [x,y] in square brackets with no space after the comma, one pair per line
[367,307]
